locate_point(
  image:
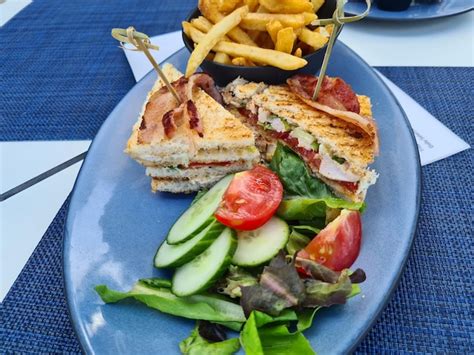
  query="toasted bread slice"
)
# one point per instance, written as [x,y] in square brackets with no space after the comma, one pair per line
[204,156]
[184,185]
[342,139]
[199,171]
[221,130]
[172,151]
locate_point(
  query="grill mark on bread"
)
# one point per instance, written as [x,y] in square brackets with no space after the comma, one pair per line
[357,148]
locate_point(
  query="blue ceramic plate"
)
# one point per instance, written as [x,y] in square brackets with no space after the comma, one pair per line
[115,224]
[415,12]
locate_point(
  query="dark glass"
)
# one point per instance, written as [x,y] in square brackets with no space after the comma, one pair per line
[393,5]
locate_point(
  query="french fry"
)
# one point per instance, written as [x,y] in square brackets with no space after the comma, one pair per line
[222,58]
[241,61]
[204,25]
[298,52]
[254,34]
[317,4]
[227,6]
[314,39]
[193,33]
[187,28]
[285,40]
[212,37]
[272,28]
[329,28]
[257,55]
[322,31]
[209,8]
[287,6]
[260,55]
[257,21]
[252,4]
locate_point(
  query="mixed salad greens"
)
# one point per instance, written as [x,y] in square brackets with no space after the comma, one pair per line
[259,253]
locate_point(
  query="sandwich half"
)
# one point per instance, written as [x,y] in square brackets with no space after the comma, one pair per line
[335,146]
[190,145]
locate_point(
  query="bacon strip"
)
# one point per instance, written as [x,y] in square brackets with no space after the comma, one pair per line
[194,121]
[335,92]
[205,82]
[172,120]
[163,114]
[168,124]
[337,99]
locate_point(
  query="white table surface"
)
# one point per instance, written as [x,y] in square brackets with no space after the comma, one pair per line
[25,216]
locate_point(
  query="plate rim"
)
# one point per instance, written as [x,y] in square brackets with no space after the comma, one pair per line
[84,340]
[374,18]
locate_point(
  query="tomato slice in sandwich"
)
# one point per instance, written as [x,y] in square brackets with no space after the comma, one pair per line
[251,199]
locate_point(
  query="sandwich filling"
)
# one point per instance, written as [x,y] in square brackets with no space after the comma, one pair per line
[278,113]
[318,156]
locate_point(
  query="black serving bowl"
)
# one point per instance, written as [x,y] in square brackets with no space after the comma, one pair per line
[223,73]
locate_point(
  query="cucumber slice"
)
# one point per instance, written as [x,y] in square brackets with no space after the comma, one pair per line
[262,244]
[199,215]
[207,267]
[179,254]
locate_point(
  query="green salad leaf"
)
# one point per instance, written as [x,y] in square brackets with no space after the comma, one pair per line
[303,208]
[280,287]
[296,242]
[295,176]
[202,306]
[195,344]
[305,318]
[325,294]
[234,280]
[277,340]
[261,336]
[306,197]
[308,231]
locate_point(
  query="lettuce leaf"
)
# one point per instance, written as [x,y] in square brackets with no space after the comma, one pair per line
[305,319]
[295,176]
[195,344]
[296,242]
[306,197]
[306,316]
[155,293]
[309,231]
[325,294]
[277,340]
[280,287]
[212,332]
[234,280]
[261,337]
[303,208]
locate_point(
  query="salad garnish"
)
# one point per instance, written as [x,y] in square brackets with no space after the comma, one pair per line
[259,253]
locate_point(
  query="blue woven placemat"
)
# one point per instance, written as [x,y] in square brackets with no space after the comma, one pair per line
[67,89]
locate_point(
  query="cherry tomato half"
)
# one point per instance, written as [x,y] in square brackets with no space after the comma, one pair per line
[337,246]
[251,199]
